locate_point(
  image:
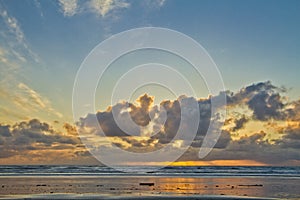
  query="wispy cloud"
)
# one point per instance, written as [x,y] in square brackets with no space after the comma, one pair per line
[15,37]
[3,58]
[161,2]
[69,7]
[39,7]
[13,25]
[15,53]
[20,102]
[35,98]
[155,3]
[103,7]
[29,99]
[100,7]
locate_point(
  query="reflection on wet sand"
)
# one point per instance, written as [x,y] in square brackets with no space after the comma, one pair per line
[212,186]
[152,186]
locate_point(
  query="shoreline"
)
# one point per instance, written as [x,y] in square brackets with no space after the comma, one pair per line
[95,196]
[123,187]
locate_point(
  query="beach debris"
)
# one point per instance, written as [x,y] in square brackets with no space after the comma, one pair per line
[41,185]
[147,184]
[252,185]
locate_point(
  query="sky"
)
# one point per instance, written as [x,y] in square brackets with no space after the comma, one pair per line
[255,45]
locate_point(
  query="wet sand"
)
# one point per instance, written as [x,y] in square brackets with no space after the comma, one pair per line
[152,187]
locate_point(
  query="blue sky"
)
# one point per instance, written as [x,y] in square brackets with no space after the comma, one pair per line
[43,43]
[250,41]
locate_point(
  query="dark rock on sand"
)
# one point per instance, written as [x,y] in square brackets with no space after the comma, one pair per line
[254,185]
[147,184]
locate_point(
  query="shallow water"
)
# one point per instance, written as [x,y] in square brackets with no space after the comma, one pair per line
[83,181]
[203,171]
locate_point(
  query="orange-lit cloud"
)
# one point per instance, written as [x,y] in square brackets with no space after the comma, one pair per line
[261,128]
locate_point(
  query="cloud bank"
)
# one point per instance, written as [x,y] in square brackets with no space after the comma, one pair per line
[261,103]
[261,125]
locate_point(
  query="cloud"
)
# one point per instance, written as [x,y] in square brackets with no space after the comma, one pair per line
[262,98]
[291,137]
[13,26]
[14,52]
[140,114]
[71,130]
[103,7]
[239,123]
[33,96]
[292,111]
[265,106]
[4,131]
[270,135]
[100,7]
[161,2]
[262,102]
[3,58]
[107,120]
[254,147]
[69,7]
[154,126]
[154,3]
[15,39]
[35,141]
[37,4]
[31,100]
[21,102]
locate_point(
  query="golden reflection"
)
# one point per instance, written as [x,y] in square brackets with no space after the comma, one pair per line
[200,163]
[218,163]
[210,186]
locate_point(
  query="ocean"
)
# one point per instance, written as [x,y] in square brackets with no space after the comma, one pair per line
[192,171]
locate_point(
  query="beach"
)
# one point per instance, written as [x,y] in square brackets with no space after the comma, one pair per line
[152,187]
